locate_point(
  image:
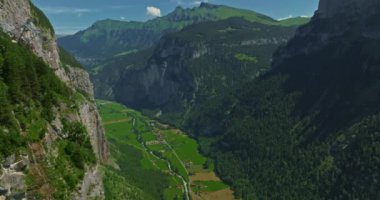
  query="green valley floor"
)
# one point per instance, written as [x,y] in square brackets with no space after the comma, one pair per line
[155,161]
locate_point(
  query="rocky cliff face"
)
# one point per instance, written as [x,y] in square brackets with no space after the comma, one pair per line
[23,22]
[164,81]
[17,20]
[331,8]
[333,18]
[196,65]
[352,25]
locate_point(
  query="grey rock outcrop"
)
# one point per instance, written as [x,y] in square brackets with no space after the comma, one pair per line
[91,119]
[16,19]
[3,191]
[164,81]
[80,79]
[12,179]
[91,187]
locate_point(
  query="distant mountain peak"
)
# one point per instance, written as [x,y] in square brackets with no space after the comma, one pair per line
[208,5]
[179,8]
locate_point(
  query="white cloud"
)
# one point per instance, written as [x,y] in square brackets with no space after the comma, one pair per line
[66,10]
[284,18]
[199,2]
[153,11]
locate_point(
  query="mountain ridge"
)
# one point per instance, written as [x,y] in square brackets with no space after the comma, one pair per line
[141,35]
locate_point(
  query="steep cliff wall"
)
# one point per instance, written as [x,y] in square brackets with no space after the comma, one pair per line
[195,66]
[18,19]
[28,26]
[330,8]
[333,18]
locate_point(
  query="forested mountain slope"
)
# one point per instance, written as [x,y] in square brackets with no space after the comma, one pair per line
[51,138]
[189,68]
[309,128]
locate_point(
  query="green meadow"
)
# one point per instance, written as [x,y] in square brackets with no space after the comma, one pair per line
[149,158]
[138,175]
[208,186]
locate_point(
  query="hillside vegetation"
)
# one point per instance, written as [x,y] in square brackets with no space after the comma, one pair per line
[29,90]
[30,97]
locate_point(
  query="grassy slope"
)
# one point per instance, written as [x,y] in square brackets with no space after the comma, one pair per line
[296,21]
[183,17]
[191,16]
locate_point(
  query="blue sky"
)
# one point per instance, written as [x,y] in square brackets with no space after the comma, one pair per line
[70,16]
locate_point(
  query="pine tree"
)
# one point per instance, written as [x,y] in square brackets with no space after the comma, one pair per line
[5,111]
[1,67]
[12,75]
[34,84]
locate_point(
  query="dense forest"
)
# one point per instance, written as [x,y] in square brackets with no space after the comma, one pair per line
[309,128]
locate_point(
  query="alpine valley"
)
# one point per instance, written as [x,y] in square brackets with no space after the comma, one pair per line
[205,103]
